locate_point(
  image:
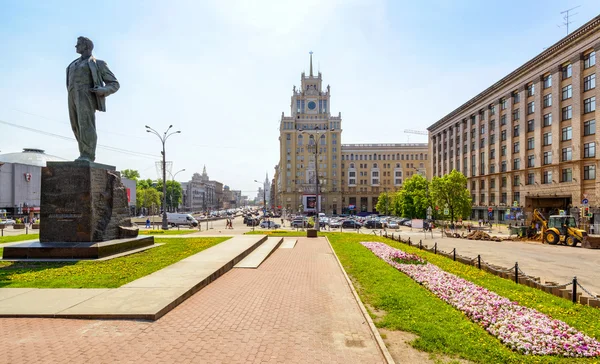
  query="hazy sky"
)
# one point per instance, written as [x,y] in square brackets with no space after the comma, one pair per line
[222,71]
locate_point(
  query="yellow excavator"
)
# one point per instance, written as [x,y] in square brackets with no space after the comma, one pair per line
[559,229]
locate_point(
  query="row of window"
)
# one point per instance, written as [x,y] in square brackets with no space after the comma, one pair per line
[375,156]
[589,173]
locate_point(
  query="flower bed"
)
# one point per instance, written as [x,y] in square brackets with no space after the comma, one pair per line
[520,328]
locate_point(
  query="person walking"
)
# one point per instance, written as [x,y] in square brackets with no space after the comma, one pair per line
[148,223]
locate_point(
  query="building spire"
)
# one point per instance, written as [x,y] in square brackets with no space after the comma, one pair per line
[311,72]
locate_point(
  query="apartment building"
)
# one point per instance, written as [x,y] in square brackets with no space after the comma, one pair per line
[348,177]
[529,140]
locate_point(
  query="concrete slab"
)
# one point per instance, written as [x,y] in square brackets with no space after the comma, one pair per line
[254,259]
[12,292]
[140,303]
[149,297]
[288,243]
[46,302]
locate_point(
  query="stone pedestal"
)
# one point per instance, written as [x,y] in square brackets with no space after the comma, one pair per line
[84,214]
[83,202]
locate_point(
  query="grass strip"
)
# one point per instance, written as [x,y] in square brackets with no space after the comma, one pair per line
[15,238]
[102,274]
[167,232]
[410,307]
[581,317]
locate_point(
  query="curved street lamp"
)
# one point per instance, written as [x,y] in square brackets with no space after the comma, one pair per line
[163,139]
[264,198]
[172,183]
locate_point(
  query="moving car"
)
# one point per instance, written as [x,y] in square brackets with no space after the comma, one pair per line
[175,219]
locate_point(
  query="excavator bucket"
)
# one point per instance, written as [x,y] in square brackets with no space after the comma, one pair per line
[591,242]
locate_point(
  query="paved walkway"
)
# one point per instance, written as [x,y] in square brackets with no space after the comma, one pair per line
[295,308]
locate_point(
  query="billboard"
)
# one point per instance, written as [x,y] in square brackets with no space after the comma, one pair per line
[310,203]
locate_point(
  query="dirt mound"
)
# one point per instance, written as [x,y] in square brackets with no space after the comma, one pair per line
[480,235]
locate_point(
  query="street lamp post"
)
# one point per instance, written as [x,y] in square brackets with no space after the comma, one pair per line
[172,183]
[163,139]
[316,146]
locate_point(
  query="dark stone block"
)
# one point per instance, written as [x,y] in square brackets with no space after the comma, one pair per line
[311,233]
[75,250]
[83,202]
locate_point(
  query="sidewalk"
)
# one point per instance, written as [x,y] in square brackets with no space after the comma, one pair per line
[296,307]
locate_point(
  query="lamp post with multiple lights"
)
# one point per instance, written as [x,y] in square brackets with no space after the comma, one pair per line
[172,186]
[163,139]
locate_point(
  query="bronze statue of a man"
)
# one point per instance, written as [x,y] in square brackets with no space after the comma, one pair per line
[89,81]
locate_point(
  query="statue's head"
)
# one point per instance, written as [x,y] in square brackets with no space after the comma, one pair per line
[84,45]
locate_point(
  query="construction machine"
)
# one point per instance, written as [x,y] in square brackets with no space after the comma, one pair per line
[559,229]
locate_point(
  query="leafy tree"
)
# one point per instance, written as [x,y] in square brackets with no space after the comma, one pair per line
[384,203]
[413,198]
[145,183]
[174,193]
[147,197]
[450,191]
[130,174]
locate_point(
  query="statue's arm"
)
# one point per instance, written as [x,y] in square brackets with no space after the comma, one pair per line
[111,84]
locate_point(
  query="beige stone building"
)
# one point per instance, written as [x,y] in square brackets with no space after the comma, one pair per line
[529,140]
[350,177]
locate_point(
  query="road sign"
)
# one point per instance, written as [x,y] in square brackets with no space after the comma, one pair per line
[490,209]
[429,217]
[516,203]
[490,214]
[584,201]
[446,211]
[429,210]
[585,195]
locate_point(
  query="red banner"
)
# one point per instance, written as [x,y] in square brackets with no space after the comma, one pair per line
[129,195]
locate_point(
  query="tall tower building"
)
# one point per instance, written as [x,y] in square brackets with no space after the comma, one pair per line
[300,161]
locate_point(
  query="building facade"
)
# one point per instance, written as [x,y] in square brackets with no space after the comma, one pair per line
[529,140]
[312,158]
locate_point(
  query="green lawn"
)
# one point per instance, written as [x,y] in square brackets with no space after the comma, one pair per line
[441,328]
[167,232]
[102,274]
[15,238]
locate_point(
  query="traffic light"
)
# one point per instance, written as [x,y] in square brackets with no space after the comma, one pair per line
[586,211]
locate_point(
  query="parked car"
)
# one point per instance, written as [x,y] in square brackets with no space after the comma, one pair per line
[351,224]
[407,223]
[7,222]
[335,224]
[393,225]
[373,224]
[269,225]
[298,223]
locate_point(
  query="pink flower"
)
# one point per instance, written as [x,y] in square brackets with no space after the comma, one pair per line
[521,328]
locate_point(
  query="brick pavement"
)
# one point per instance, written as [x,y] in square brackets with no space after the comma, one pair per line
[295,308]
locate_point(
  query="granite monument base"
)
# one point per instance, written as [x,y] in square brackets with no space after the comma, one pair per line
[83,202]
[75,250]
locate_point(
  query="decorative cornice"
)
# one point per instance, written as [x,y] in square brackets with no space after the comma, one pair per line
[591,26]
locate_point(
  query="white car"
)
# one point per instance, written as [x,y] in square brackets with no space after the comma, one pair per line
[7,222]
[393,225]
[269,225]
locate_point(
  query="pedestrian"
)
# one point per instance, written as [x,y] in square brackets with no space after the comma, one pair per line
[230,224]
[282,224]
[148,223]
[469,227]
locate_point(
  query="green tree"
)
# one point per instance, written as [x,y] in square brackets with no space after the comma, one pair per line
[413,198]
[450,191]
[174,193]
[147,197]
[145,183]
[130,174]
[384,203]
